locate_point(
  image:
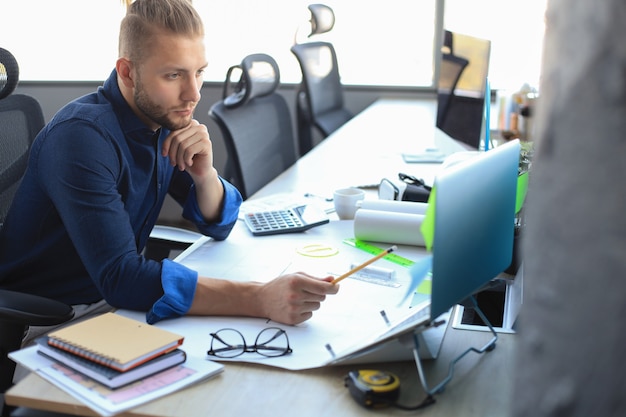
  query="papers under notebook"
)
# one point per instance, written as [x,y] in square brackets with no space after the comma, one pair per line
[115,341]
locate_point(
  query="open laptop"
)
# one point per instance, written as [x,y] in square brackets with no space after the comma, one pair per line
[473,243]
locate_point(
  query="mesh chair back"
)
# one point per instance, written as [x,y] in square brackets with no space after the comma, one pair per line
[21,118]
[258,131]
[465,108]
[321,92]
[452,68]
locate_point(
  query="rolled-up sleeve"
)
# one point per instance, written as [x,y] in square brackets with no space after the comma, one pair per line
[179,287]
[178,281]
[230,211]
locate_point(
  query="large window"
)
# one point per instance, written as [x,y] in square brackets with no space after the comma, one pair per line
[77,39]
[378,43]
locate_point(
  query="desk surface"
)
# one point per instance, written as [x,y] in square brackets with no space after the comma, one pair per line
[365,150]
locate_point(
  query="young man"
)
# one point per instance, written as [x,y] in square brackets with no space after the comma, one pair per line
[97,177]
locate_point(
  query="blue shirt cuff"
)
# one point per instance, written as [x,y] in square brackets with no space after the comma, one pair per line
[230,212]
[179,287]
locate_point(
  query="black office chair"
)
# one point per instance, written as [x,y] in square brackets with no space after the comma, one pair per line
[21,118]
[256,125]
[450,72]
[320,99]
[464,110]
[448,43]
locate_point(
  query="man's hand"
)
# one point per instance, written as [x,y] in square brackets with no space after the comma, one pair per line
[292,298]
[288,299]
[191,150]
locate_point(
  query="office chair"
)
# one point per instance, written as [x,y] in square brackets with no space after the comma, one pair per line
[320,100]
[21,118]
[464,112]
[256,125]
[450,72]
[448,43]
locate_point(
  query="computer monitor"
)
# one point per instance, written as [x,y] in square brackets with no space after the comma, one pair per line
[474,224]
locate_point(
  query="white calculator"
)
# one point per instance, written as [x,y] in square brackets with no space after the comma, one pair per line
[287,220]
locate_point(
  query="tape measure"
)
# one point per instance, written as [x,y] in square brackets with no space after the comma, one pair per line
[373,388]
[375,250]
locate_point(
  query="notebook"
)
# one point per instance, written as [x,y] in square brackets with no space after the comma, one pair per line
[473,238]
[115,341]
[108,376]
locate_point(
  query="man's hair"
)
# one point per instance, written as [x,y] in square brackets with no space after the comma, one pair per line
[145,17]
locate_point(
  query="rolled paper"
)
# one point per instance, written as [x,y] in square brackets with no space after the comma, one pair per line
[389,227]
[409,207]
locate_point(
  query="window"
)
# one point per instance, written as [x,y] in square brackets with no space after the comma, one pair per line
[77,39]
[387,43]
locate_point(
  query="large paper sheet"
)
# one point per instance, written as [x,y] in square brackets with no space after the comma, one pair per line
[346,322]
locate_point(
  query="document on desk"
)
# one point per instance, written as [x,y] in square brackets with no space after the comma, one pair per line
[346,322]
[108,402]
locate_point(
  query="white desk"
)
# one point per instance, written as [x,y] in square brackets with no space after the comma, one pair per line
[368,148]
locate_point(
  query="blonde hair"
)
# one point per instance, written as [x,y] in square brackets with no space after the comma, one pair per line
[145,17]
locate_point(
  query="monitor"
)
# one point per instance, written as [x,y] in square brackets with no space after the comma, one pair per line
[474,224]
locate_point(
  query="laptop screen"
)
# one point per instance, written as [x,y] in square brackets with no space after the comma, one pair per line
[474,224]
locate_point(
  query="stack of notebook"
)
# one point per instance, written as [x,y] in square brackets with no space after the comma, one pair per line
[113,350]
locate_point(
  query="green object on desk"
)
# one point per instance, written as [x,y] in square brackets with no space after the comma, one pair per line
[375,250]
[428,225]
[522,190]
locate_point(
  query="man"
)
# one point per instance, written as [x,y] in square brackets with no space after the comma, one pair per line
[99,172]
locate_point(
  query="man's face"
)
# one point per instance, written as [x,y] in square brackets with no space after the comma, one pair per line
[168,81]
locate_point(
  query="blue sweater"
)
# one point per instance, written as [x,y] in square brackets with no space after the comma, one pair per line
[95,185]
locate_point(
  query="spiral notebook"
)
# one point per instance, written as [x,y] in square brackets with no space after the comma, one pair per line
[108,376]
[115,341]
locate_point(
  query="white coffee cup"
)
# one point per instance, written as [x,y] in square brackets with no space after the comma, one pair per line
[345,200]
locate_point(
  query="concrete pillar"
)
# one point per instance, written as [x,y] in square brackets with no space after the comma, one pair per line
[572,338]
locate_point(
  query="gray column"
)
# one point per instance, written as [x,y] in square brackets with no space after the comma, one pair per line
[572,337]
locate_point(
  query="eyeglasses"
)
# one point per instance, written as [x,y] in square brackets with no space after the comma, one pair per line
[230,343]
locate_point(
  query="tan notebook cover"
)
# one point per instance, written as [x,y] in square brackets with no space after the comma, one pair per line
[115,341]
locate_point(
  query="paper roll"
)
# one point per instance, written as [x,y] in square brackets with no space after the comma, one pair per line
[409,207]
[389,227]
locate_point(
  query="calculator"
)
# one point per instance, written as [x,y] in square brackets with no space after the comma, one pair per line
[287,220]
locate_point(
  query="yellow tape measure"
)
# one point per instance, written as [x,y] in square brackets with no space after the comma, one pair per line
[375,250]
[373,388]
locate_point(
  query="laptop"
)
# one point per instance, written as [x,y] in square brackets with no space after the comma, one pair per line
[473,243]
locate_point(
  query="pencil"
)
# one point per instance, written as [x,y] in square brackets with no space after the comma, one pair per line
[364,264]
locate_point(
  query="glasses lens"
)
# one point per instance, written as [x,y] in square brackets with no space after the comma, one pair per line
[272,342]
[227,343]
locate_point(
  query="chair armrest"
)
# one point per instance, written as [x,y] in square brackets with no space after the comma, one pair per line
[32,310]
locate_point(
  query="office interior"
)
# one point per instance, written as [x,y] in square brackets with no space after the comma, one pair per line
[446,14]
[53,94]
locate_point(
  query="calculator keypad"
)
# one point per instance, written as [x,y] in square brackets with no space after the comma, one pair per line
[273,220]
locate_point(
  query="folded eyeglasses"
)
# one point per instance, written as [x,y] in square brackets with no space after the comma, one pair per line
[230,343]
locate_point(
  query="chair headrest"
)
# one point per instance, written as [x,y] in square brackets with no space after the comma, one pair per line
[322,19]
[259,77]
[9,73]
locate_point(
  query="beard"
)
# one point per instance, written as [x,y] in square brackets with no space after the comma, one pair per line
[156,112]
